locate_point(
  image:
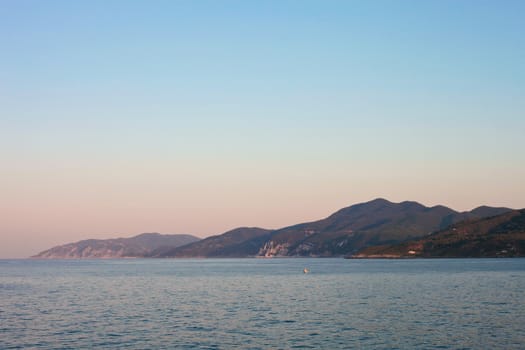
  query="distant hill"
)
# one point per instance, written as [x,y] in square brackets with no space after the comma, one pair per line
[138,246]
[372,223]
[240,242]
[497,236]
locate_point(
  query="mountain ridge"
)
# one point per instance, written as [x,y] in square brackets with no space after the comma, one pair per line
[342,233]
[349,229]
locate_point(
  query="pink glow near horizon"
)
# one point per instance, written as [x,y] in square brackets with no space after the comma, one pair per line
[61,212]
[182,117]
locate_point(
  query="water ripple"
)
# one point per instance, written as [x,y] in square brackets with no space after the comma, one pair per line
[261,304]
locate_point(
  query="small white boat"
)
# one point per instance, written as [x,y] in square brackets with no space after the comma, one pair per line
[305,270]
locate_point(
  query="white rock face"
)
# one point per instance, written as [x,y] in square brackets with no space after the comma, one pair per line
[95,250]
[271,249]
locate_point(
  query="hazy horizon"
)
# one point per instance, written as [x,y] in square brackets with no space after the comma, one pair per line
[197,117]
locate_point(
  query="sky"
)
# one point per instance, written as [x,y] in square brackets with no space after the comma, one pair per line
[119,117]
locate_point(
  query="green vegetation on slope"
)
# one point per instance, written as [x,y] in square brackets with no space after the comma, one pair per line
[498,236]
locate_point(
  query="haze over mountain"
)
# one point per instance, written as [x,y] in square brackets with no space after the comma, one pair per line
[137,246]
[496,236]
[348,230]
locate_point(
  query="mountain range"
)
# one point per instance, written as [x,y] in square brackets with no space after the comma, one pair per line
[347,231]
[372,223]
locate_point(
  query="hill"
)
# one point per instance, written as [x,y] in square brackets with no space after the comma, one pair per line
[497,236]
[240,242]
[366,224]
[138,246]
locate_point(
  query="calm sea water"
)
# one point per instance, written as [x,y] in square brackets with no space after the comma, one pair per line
[263,304]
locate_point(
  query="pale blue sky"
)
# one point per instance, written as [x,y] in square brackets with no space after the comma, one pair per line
[119,117]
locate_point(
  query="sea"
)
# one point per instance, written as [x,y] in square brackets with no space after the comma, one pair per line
[262,304]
